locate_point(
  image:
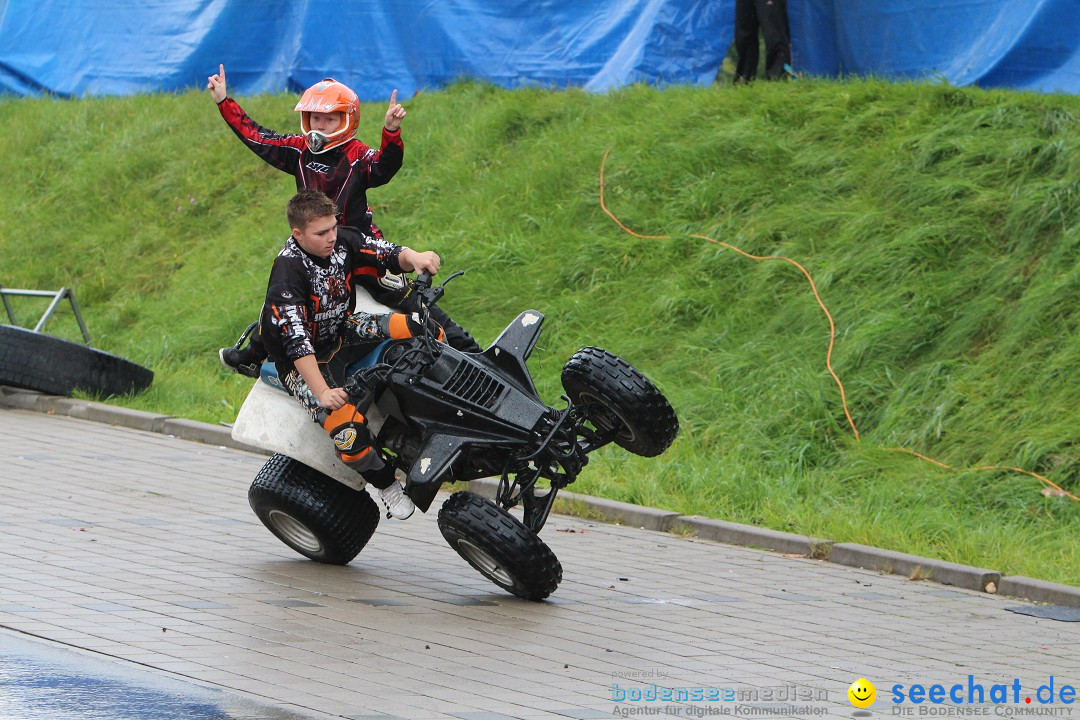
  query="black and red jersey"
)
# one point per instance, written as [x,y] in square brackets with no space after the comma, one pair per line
[308,297]
[344,173]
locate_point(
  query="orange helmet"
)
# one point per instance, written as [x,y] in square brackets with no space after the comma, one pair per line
[328,96]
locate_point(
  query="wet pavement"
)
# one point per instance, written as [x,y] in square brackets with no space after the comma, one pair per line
[138,553]
[41,680]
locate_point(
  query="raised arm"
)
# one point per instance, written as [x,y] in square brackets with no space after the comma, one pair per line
[380,166]
[281,151]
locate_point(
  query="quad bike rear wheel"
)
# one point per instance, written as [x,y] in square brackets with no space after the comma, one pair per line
[499,546]
[312,513]
[615,396]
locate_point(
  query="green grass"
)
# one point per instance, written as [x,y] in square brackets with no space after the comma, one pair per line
[941,225]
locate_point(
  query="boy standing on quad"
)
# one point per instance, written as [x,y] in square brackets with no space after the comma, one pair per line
[312,338]
[326,156]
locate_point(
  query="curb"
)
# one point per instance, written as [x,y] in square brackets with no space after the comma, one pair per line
[946,573]
[612,511]
[752,536]
[1042,591]
[205,433]
[182,428]
[623,513]
[848,554]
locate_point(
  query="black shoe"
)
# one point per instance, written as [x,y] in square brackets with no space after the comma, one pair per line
[239,361]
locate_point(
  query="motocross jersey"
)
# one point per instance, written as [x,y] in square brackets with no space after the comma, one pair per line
[308,297]
[344,173]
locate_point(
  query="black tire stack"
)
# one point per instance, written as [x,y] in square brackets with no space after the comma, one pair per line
[35,361]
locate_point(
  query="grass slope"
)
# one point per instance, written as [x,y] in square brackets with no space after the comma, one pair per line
[941,225]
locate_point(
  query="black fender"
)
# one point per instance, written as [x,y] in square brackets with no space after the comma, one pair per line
[512,348]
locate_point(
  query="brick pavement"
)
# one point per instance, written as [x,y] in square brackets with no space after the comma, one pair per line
[142,547]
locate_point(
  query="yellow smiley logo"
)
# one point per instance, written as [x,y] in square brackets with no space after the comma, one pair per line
[862,693]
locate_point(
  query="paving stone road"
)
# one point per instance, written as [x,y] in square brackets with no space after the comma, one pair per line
[141,548]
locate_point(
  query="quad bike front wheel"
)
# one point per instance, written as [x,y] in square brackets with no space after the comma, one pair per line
[616,397]
[312,513]
[498,545]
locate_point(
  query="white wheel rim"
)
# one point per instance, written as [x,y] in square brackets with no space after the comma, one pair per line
[484,562]
[295,532]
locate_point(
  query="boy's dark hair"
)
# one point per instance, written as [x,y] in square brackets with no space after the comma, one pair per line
[307,205]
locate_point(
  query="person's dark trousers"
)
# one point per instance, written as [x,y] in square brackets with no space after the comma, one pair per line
[771,17]
[457,337]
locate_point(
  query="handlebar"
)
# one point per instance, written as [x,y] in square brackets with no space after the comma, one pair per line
[430,295]
[361,382]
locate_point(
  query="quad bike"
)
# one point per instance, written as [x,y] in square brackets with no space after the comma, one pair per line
[446,416]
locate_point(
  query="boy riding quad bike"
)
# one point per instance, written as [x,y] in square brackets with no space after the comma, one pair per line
[443,415]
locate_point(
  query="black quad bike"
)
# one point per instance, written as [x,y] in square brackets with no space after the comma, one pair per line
[447,416]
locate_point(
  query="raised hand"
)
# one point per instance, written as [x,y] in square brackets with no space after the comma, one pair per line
[216,85]
[394,114]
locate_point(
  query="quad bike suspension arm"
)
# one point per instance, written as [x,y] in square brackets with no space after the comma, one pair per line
[558,457]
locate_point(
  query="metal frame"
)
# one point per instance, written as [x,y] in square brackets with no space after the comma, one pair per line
[57,298]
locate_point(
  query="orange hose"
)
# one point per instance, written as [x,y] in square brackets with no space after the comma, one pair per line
[832,336]
[1044,480]
[813,286]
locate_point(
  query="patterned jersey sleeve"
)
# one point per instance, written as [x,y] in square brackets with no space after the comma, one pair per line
[369,255]
[378,166]
[286,310]
[281,151]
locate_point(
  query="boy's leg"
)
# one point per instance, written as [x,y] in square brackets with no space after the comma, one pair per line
[457,337]
[367,327]
[397,298]
[248,360]
[347,427]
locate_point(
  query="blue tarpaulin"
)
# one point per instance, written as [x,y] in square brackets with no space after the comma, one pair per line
[114,47]
[1026,44]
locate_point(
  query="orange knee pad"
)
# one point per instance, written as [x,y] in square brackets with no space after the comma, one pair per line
[352,439]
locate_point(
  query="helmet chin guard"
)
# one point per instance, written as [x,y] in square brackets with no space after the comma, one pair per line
[316,141]
[328,96]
